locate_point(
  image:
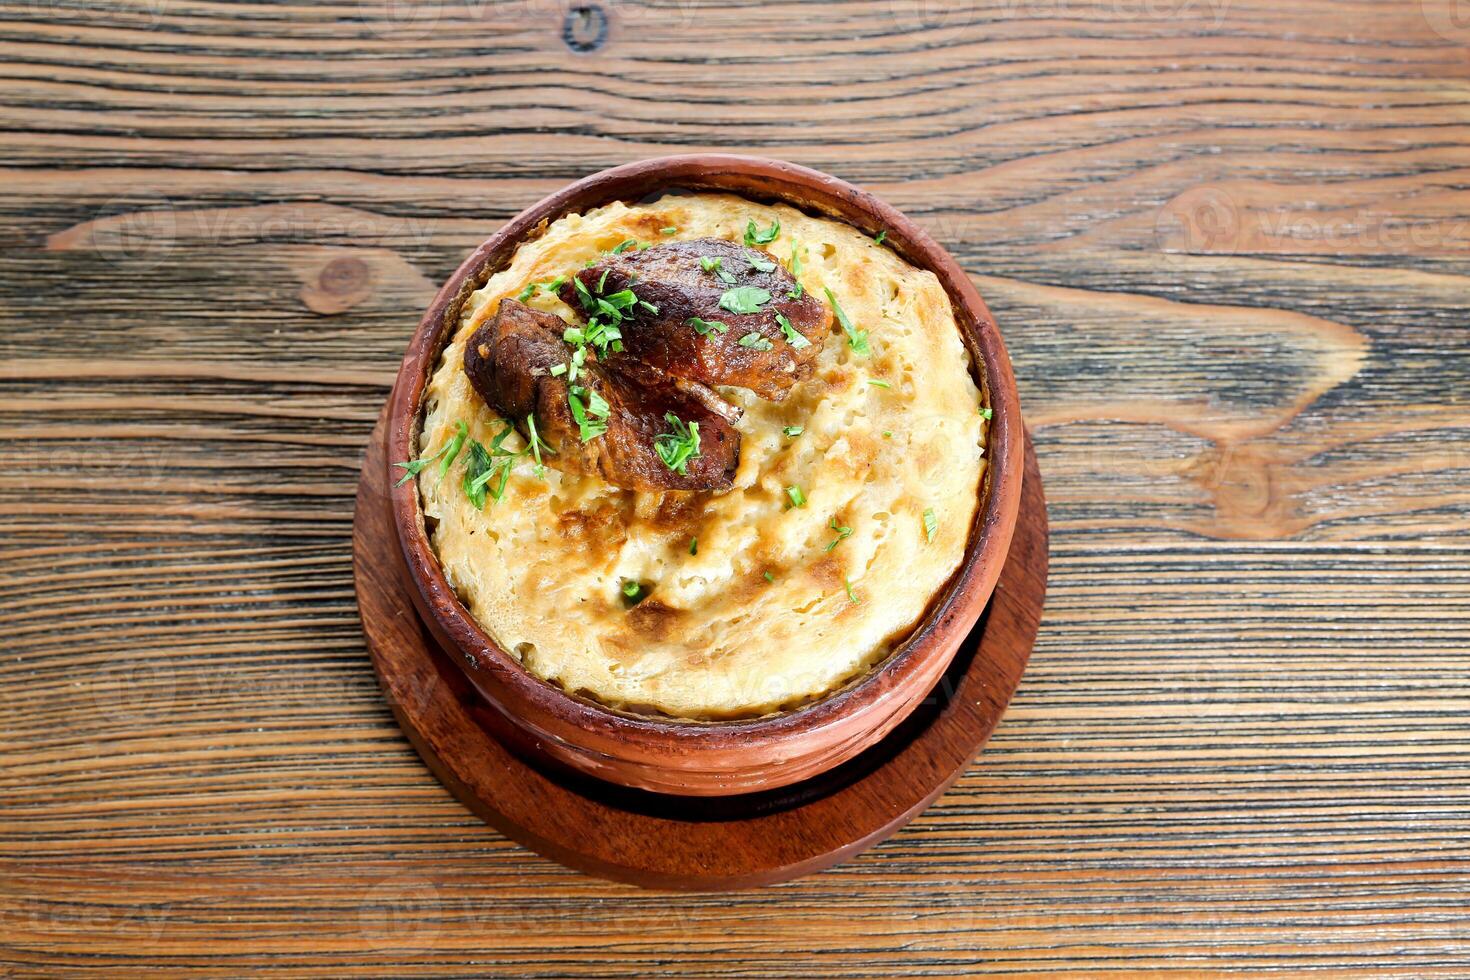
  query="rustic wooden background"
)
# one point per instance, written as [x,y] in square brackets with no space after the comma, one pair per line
[1229,243]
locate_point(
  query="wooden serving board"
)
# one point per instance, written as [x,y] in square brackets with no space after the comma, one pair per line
[685,842]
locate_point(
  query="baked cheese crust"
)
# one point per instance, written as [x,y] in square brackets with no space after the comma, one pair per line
[749,607]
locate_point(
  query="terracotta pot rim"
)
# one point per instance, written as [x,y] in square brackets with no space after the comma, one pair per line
[553,713]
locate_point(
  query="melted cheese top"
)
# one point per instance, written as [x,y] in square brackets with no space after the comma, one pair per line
[750,607]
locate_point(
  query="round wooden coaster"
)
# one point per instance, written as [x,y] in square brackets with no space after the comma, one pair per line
[710,843]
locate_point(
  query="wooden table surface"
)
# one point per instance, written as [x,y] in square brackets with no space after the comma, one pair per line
[1227,240]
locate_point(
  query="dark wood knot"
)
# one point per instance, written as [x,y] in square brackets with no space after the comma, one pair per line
[338,286]
[585,28]
[344,276]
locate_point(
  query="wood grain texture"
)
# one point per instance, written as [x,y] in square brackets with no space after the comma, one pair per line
[1226,241]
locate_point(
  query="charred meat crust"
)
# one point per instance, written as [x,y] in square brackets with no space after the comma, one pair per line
[509,361]
[677,288]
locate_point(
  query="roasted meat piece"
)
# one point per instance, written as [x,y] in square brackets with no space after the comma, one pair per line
[709,311]
[644,432]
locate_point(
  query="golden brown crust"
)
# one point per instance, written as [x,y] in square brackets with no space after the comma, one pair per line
[543,570]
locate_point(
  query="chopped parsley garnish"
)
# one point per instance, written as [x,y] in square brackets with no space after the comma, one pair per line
[605,313]
[584,296]
[670,230]
[931,523]
[620,300]
[597,405]
[591,414]
[694,546]
[879,383]
[770,578]
[795,266]
[477,489]
[634,592]
[716,264]
[754,236]
[792,431]
[478,468]
[537,444]
[444,457]
[677,447]
[499,441]
[602,280]
[798,499]
[598,333]
[789,332]
[856,339]
[760,265]
[842,533]
[623,246]
[850,593]
[482,467]
[461,433]
[887,433]
[878,239]
[744,299]
[986,413]
[703,327]
[755,341]
[549,286]
[650,307]
[572,367]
